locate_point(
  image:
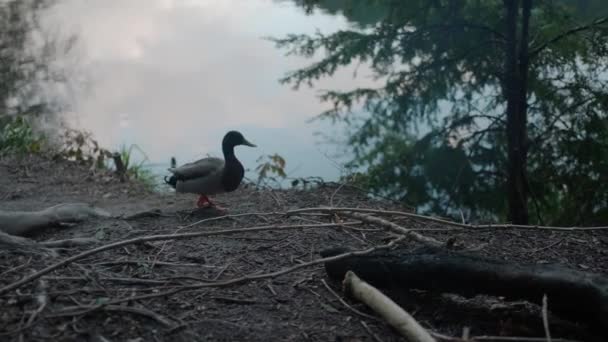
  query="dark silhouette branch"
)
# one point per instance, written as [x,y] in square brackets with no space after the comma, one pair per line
[567,33]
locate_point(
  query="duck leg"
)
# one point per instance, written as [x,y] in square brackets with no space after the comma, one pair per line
[216,207]
[203,202]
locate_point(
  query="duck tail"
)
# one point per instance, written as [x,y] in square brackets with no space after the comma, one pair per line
[172,181]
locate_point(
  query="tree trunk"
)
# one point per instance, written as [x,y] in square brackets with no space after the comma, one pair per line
[522,129]
[515,91]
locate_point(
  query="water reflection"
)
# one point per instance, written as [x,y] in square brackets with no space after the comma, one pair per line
[173,76]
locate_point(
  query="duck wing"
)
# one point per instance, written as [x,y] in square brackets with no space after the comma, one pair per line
[198,169]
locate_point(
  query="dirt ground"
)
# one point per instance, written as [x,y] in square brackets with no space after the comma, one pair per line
[92,299]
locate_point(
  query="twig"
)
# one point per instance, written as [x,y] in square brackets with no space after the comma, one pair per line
[144,262]
[362,314]
[271,289]
[547,247]
[342,225]
[16,268]
[442,221]
[546,318]
[370,332]
[219,274]
[331,199]
[142,239]
[162,248]
[119,308]
[258,276]
[114,279]
[42,299]
[69,242]
[229,216]
[395,228]
[234,300]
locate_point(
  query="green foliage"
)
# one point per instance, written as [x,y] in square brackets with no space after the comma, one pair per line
[79,146]
[17,136]
[270,168]
[440,64]
[136,170]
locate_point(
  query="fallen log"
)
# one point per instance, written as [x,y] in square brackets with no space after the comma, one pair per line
[24,223]
[573,294]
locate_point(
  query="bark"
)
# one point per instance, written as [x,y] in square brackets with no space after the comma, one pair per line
[575,295]
[515,89]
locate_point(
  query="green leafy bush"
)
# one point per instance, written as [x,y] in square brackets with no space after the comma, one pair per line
[17,136]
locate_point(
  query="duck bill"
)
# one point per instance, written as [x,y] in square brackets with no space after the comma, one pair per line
[247,143]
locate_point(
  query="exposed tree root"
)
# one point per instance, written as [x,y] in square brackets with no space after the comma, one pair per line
[22,223]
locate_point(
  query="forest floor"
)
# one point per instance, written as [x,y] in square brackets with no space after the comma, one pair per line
[150,291]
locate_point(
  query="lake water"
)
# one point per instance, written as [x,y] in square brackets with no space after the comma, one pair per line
[173,76]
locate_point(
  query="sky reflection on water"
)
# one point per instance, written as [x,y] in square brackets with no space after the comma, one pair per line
[173,76]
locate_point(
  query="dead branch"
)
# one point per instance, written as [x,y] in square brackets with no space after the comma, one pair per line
[362,314]
[395,228]
[259,276]
[149,238]
[441,221]
[68,243]
[85,310]
[228,217]
[16,268]
[385,307]
[119,280]
[157,263]
[42,299]
[370,332]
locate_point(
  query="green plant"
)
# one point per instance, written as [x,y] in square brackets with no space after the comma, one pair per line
[270,168]
[77,145]
[136,170]
[80,146]
[17,136]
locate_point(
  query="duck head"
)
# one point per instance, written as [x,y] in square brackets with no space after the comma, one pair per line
[235,138]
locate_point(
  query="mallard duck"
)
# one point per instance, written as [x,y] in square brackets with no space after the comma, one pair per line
[210,176]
